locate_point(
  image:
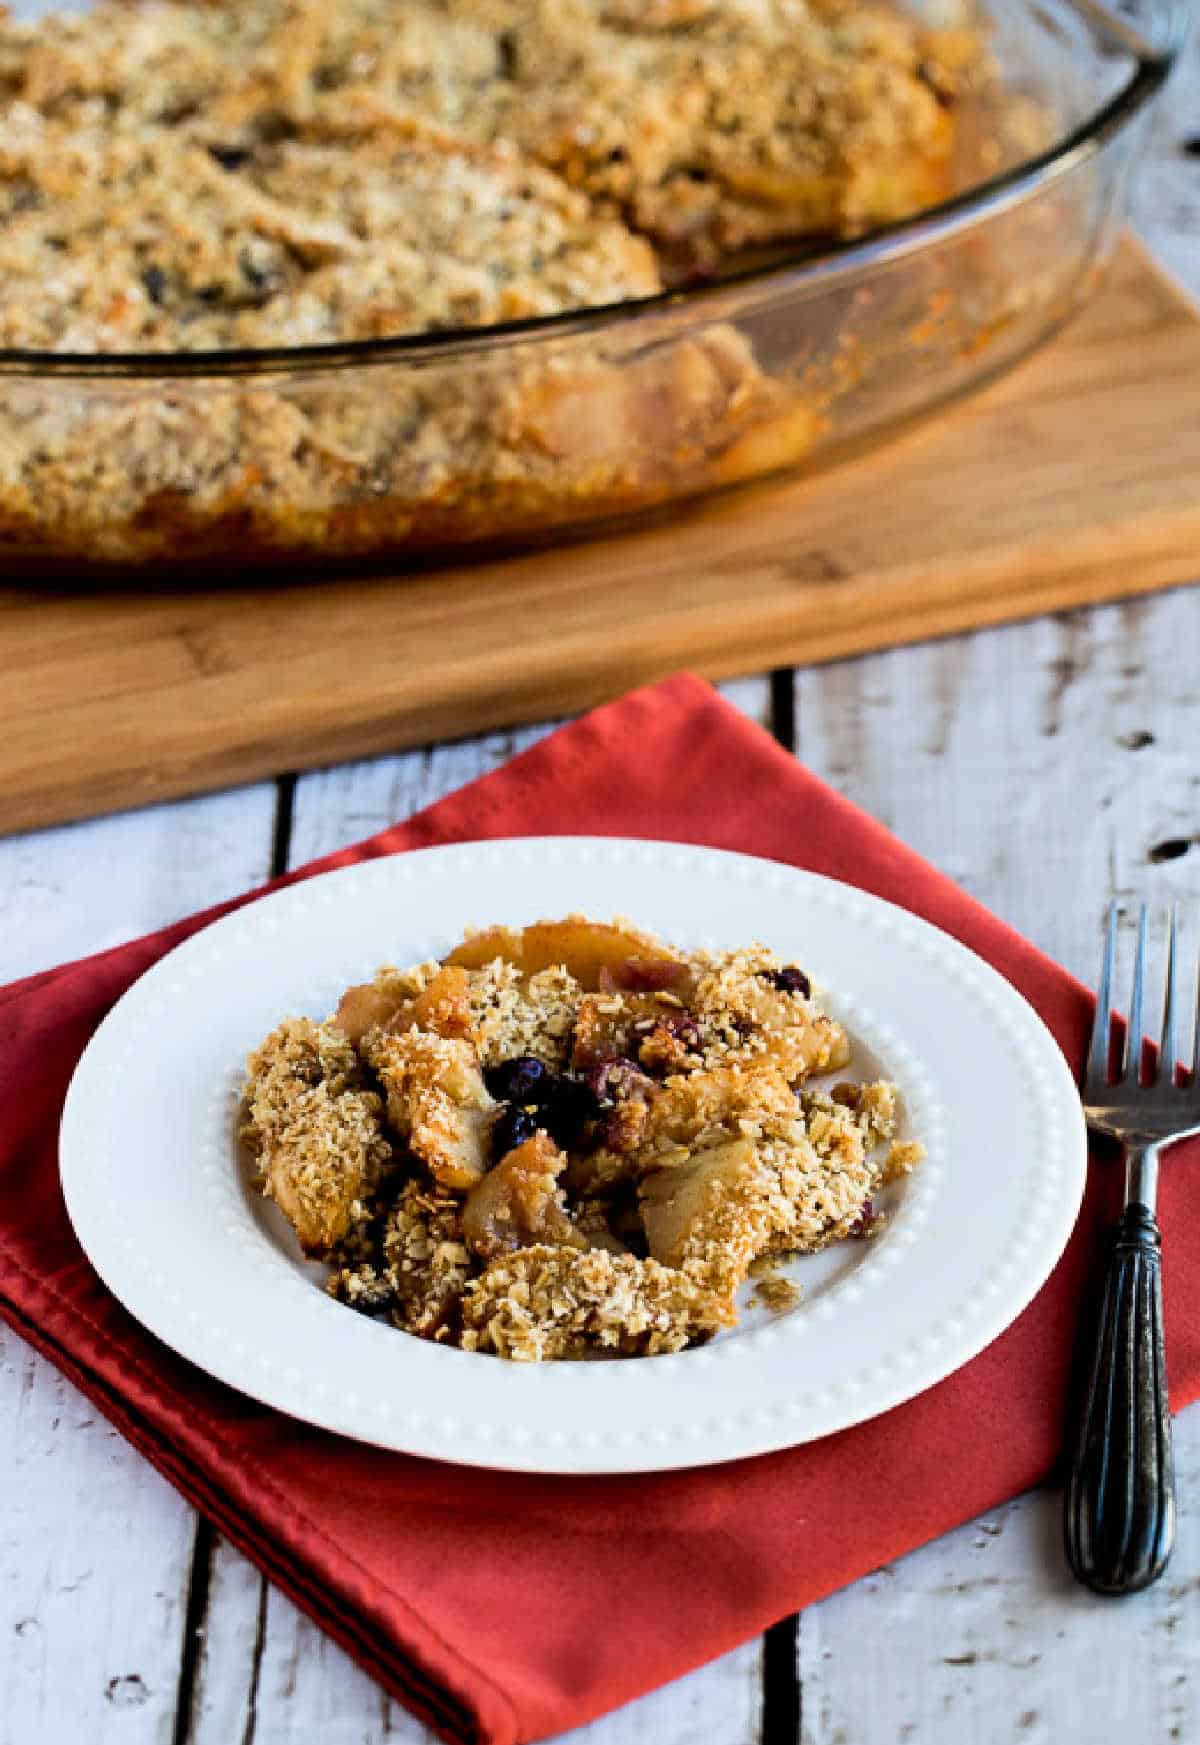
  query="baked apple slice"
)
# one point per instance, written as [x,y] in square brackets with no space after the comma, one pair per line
[437,1102]
[519,1202]
[596,953]
[711,1215]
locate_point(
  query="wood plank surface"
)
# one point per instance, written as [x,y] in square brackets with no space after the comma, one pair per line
[96,1549]
[1076,478]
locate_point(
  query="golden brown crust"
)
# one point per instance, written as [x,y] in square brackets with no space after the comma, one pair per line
[316,1133]
[771,119]
[543,1303]
[436,1101]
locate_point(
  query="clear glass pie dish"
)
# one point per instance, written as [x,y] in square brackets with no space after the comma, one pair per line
[393,449]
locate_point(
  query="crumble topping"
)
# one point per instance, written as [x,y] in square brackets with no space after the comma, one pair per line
[135,243]
[570,1140]
[775,1292]
[517,1015]
[184,175]
[547,1303]
[316,1133]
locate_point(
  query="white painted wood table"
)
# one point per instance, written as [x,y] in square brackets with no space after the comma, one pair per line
[1047,767]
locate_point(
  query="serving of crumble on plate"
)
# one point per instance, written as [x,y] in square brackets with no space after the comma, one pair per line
[569,1140]
[511,1149]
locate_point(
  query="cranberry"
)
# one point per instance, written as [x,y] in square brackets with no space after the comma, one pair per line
[862,1223]
[512,1127]
[624,1124]
[683,1027]
[667,1041]
[614,1079]
[789,980]
[520,1080]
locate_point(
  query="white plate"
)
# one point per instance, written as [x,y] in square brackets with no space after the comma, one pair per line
[154,1188]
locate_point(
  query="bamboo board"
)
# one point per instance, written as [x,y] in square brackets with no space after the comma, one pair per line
[1075,479]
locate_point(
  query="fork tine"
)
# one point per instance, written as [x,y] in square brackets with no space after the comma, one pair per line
[1166,1048]
[1098,1053]
[1133,1030]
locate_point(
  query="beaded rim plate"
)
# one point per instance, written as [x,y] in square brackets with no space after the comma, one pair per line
[159,1198]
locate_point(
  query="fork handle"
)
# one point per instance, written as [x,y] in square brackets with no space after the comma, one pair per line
[1120,1497]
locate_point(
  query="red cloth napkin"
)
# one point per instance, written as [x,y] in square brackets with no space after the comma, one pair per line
[501,1607]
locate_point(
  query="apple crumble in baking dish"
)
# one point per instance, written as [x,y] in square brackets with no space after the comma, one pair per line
[190,175]
[183,177]
[569,1140]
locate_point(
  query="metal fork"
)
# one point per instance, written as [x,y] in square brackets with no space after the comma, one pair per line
[1120,1497]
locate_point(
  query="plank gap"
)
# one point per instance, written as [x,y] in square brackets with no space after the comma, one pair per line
[199,1582]
[260,1636]
[281,835]
[783,707]
[781,1697]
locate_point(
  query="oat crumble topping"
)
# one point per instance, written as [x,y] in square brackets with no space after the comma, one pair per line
[776,1293]
[195,174]
[570,1141]
[191,175]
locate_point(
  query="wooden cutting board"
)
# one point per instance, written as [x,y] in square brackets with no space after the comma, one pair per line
[1075,479]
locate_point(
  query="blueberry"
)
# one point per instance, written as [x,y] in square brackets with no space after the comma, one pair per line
[566,1107]
[520,1080]
[512,1127]
[230,157]
[789,980]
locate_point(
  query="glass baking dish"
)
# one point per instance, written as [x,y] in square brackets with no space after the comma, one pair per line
[397,449]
